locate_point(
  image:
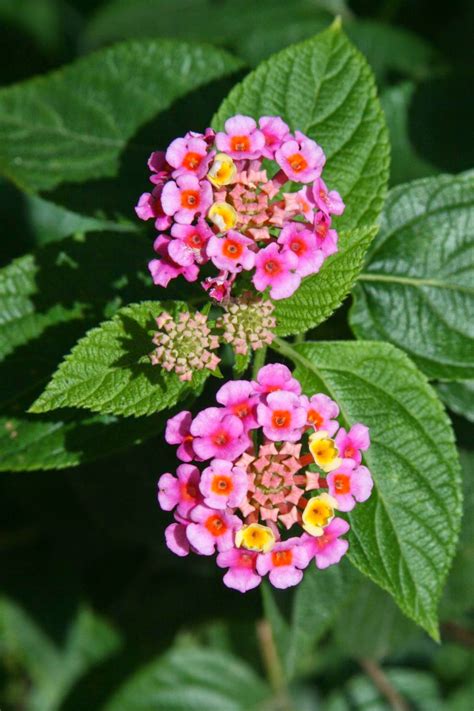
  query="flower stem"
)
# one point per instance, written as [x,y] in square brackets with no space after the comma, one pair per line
[383,684]
[272,664]
[258,361]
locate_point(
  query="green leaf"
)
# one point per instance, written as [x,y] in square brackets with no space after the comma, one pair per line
[195,679]
[417,287]
[53,671]
[419,690]
[404,536]
[239,26]
[28,443]
[50,222]
[457,597]
[320,294]
[406,165]
[325,88]
[369,624]
[109,370]
[317,604]
[73,124]
[459,397]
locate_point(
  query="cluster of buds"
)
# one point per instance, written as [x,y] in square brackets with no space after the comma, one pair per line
[262,478]
[215,200]
[189,343]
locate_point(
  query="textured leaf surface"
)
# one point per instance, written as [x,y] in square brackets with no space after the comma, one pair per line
[319,295]
[417,290]
[191,680]
[28,443]
[109,370]
[73,124]
[325,88]
[404,536]
[459,397]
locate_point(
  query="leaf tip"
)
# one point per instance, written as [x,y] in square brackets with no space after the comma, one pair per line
[336,24]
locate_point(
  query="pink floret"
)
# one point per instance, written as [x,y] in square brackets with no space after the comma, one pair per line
[275,376]
[241,139]
[240,399]
[223,485]
[211,529]
[301,159]
[275,131]
[329,201]
[189,155]
[176,539]
[186,197]
[242,574]
[218,434]
[284,563]
[178,432]
[350,444]
[321,412]
[231,253]
[150,206]
[282,417]
[325,237]
[329,548]
[296,238]
[165,269]
[181,491]
[276,269]
[348,484]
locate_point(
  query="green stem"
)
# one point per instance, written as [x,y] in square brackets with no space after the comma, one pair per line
[258,361]
[273,667]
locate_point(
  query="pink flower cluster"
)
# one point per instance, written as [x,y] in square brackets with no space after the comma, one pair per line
[262,478]
[215,200]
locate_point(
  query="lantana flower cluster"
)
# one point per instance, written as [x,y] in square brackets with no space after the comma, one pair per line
[264,476]
[247,199]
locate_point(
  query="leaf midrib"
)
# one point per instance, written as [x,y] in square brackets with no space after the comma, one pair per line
[417,282]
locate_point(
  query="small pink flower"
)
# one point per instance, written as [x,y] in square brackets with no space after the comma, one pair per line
[218,435]
[150,206]
[329,548]
[301,159]
[301,203]
[186,197]
[285,563]
[178,432]
[165,269]
[241,139]
[231,252]
[330,202]
[276,269]
[223,485]
[320,411]
[351,443]
[219,287]
[325,237]
[211,529]
[176,539]
[275,131]
[275,376]
[239,399]
[296,238]
[190,243]
[349,484]
[158,165]
[242,574]
[282,417]
[188,155]
[181,491]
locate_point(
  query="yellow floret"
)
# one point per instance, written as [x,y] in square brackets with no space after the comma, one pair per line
[319,512]
[222,170]
[324,451]
[255,537]
[223,216]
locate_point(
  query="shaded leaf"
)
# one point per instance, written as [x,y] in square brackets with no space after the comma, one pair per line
[195,679]
[73,124]
[417,286]
[109,370]
[459,397]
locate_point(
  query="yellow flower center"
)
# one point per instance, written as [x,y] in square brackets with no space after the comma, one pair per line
[223,216]
[255,537]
